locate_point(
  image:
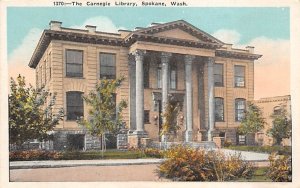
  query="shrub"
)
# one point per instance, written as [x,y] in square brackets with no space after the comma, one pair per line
[153,152]
[186,164]
[31,155]
[227,143]
[280,168]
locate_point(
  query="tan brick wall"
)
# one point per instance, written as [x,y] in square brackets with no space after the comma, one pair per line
[267,106]
[55,55]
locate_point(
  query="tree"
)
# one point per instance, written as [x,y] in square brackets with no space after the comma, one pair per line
[282,125]
[30,112]
[253,120]
[105,116]
[170,117]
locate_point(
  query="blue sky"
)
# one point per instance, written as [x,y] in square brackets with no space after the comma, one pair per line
[248,22]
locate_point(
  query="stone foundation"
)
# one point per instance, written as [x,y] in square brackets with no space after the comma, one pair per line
[61,141]
[135,140]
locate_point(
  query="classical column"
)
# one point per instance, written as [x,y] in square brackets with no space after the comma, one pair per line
[165,57]
[131,71]
[139,81]
[188,59]
[211,98]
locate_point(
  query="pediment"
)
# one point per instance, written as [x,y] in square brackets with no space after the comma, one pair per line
[180,30]
[177,34]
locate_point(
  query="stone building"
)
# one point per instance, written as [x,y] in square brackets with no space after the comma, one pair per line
[269,106]
[211,80]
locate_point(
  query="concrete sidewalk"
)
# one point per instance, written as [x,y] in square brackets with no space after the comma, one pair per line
[73,163]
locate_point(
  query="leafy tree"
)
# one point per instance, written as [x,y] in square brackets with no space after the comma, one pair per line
[170,117]
[253,120]
[30,112]
[105,116]
[282,125]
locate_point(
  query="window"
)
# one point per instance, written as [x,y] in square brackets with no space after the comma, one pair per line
[218,74]
[146,73]
[239,76]
[219,109]
[173,78]
[240,107]
[276,110]
[44,72]
[49,64]
[242,139]
[107,66]
[74,63]
[74,105]
[146,116]
[159,77]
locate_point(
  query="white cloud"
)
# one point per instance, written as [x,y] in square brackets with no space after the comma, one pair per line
[228,36]
[102,23]
[272,70]
[19,58]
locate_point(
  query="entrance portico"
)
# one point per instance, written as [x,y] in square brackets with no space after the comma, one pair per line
[137,95]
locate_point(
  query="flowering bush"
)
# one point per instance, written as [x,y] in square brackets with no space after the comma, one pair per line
[186,164]
[34,155]
[280,168]
[153,152]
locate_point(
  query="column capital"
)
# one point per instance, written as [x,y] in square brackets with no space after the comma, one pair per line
[188,59]
[165,57]
[131,59]
[139,53]
[210,61]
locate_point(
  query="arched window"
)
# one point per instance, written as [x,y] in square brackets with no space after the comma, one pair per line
[219,109]
[74,105]
[276,110]
[240,108]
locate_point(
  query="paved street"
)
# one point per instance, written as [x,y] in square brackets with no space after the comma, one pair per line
[87,173]
[102,170]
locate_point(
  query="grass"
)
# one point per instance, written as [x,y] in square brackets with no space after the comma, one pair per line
[258,176]
[281,150]
[109,154]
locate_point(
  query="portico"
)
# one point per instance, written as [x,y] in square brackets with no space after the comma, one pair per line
[189,60]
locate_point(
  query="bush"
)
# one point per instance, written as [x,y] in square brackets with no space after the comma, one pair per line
[280,168]
[186,164]
[153,152]
[32,155]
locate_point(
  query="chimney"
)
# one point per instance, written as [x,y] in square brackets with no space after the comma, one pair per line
[228,46]
[250,49]
[91,28]
[55,25]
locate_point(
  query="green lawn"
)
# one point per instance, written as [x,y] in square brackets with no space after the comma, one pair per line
[259,176]
[281,150]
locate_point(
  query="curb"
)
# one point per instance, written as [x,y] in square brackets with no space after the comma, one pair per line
[13,165]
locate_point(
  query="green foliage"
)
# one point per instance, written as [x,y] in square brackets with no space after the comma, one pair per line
[31,155]
[253,120]
[186,164]
[282,125]
[104,114]
[30,112]
[280,168]
[281,150]
[170,117]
